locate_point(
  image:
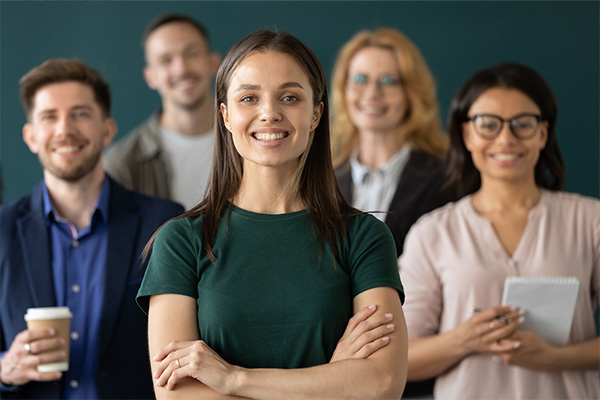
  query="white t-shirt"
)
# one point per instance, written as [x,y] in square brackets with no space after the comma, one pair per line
[189,160]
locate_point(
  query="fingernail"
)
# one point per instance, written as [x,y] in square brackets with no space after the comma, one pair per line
[372,307]
[390,326]
[388,316]
[385,339]
[517,345]
[521,319]
[521,311]
[491,325]
[155,357]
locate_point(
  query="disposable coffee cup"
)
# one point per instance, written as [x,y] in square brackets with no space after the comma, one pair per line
[58,318]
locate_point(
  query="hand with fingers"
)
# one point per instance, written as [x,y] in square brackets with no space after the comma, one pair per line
[533,352]
[489,330]
[194,359]
[365,333]
[29,349]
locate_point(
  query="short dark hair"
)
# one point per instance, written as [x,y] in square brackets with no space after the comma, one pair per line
[171,19]
[59,70]
[550,168]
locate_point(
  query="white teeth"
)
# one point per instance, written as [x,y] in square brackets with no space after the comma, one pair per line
[269,136]
[66,149]
[506,157]
[184,84]
[373,110]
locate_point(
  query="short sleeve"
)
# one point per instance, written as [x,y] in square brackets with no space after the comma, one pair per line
[372,256]
[173,263]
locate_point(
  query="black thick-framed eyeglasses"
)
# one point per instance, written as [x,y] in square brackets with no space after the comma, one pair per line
[523,126]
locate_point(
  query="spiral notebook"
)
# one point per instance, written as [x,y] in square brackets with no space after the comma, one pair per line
[549,304]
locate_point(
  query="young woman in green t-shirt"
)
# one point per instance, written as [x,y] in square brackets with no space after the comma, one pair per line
[249,294]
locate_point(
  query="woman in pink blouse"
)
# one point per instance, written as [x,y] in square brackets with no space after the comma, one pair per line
[513,221]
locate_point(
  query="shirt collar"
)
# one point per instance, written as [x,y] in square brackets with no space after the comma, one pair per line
[394,166]
[101,209]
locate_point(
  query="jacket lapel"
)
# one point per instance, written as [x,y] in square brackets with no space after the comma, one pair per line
[123,229]
[344,179]
[35,249]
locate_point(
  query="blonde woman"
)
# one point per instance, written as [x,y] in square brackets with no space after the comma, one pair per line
[387,140]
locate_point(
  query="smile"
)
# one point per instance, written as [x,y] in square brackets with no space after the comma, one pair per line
[184,84]
[66,149]
[376,110]
[269,136]
[506,157]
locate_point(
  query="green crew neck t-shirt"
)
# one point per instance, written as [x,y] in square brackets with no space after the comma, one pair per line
[268,301]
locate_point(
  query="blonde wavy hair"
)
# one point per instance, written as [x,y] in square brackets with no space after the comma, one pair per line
[421,127]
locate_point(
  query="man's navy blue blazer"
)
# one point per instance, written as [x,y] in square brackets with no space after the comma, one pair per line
[26,280]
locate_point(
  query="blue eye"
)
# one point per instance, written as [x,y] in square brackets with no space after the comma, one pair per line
[388,80]
[359,79]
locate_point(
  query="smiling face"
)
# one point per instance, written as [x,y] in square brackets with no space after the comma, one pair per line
[68,131]
[270,111]
[180,65]
[374,96]
[505,158]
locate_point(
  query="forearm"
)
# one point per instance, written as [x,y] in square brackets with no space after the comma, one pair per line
[190,388]
[347,379]
[430,356]
[580,356]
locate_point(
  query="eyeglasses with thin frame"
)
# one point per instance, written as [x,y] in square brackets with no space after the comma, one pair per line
[523,126]
[388,84]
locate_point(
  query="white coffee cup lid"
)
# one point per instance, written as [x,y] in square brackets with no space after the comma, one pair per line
[47,313]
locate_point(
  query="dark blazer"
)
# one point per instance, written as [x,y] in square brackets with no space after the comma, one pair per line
[420,190]
[26,280]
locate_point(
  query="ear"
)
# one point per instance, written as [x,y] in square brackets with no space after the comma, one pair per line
[215,62]
[110,131]
[29,138]
[317,113]
[225,115]
[543,134]
[149,77]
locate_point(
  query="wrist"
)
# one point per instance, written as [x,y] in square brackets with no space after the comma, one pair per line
[457,344]
[239,379]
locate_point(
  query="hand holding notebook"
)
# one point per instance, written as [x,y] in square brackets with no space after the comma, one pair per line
[549,304]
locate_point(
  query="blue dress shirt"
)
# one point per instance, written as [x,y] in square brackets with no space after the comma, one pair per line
[78,264]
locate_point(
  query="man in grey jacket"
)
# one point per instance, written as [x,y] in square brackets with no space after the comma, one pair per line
[170,154]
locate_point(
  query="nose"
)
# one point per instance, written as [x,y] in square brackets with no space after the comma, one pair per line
[506,135]
[179,65]
[373,89]
[270,111]
[64,126]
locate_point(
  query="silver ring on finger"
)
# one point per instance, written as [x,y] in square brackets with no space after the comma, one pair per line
[178,363]
[27,348]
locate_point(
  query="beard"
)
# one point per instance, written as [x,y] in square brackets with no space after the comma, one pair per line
[71,173]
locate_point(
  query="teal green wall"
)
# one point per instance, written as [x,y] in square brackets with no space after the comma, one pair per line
[559,39]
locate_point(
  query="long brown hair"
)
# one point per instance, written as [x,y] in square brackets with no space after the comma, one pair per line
[315,180]
[421,126]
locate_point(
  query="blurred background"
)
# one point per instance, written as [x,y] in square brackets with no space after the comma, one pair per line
[560,39]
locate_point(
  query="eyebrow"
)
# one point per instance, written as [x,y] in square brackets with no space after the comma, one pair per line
[74,108]
[257,87]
